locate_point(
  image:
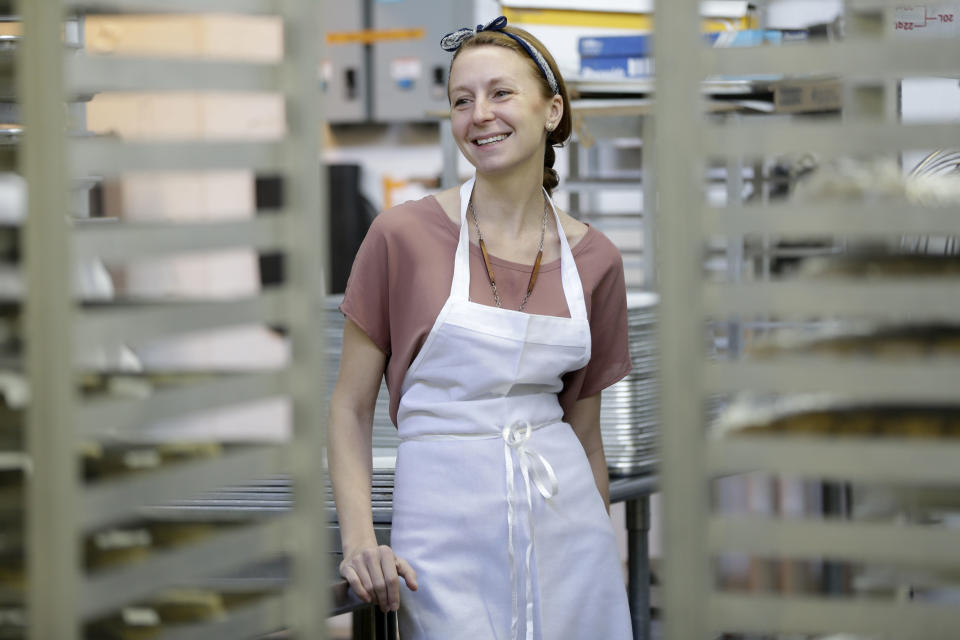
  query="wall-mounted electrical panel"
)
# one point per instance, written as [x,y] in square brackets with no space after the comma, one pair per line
[383,61]
[344,69]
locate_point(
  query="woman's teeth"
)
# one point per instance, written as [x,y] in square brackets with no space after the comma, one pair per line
[491,140]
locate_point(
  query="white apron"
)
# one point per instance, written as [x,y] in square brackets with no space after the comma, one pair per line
[495,505]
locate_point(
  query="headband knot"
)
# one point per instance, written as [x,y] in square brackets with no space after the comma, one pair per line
[453,40]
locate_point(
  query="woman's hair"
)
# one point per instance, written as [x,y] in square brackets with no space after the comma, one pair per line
[561,132]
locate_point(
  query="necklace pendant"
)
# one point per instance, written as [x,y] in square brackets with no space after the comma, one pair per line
[486,257]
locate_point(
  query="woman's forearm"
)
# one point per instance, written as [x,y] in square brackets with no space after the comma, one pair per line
[349,459]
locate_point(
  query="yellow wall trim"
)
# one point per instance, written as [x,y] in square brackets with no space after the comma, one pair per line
[613,20]
[369,36]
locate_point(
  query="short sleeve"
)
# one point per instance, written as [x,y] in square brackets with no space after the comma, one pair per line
[366,299]
[610,347]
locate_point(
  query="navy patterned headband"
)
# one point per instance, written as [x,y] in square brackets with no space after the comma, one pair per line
[452,42]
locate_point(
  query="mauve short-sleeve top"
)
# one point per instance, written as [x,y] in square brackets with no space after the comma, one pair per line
[401,278]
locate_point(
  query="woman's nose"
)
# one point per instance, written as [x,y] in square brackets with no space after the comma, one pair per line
[481,111]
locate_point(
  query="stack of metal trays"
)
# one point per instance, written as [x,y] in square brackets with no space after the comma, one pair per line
[630,410]
[384,433]
[269,497]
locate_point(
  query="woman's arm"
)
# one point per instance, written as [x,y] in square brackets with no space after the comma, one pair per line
[584,417]
[372,570]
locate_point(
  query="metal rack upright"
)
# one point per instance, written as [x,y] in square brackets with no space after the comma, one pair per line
[61,595]
[869,60]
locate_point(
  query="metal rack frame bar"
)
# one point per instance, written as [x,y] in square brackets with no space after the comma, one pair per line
[53,553]
[909,381]
[109,157]
[887,617]
[918,299]
[87,74]
[106,325]
[832,220]
[855,137]
[304,184]
[679,166]
[902,57]
[891,461]
[129,241]
[853,541]
[261,7]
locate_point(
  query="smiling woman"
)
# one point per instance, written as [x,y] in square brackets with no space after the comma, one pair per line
[498,319]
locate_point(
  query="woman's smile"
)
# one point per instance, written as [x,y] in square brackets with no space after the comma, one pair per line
[492,140]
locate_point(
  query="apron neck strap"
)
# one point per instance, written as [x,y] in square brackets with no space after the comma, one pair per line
[460,287]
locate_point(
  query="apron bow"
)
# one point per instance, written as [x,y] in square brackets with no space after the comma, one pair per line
[532,464]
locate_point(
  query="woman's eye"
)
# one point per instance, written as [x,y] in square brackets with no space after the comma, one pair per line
[499,93]
[459,102]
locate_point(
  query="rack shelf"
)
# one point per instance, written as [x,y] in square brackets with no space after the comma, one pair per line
[110,157]
[754,614]
[851,220]
[109,502]
[115,417]
[132,322]
[123,241]
[105,592]
[893,460]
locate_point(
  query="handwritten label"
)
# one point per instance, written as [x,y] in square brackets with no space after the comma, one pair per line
[927,19]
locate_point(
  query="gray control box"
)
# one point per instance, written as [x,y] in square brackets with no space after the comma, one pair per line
[343,66]
[410,74]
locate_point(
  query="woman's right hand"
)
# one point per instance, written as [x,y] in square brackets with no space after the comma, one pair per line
[373,573]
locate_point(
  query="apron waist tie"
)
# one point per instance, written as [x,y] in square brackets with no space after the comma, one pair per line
[535,470]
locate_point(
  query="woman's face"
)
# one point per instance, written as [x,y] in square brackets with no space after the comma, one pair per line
[498,111]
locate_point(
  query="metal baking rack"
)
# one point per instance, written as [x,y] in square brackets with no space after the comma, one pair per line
[59,595]
[870,60]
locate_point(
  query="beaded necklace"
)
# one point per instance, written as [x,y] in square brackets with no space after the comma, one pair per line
[486,258]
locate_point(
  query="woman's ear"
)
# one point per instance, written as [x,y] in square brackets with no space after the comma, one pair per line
[554,112]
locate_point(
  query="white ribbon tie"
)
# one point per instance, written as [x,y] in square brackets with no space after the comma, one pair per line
[532,466]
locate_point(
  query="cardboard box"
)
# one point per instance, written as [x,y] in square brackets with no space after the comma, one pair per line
[630,46]
[799,96]
[641,45]
[629,56]
[616,67]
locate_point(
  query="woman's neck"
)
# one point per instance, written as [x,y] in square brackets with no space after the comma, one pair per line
[512,202]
